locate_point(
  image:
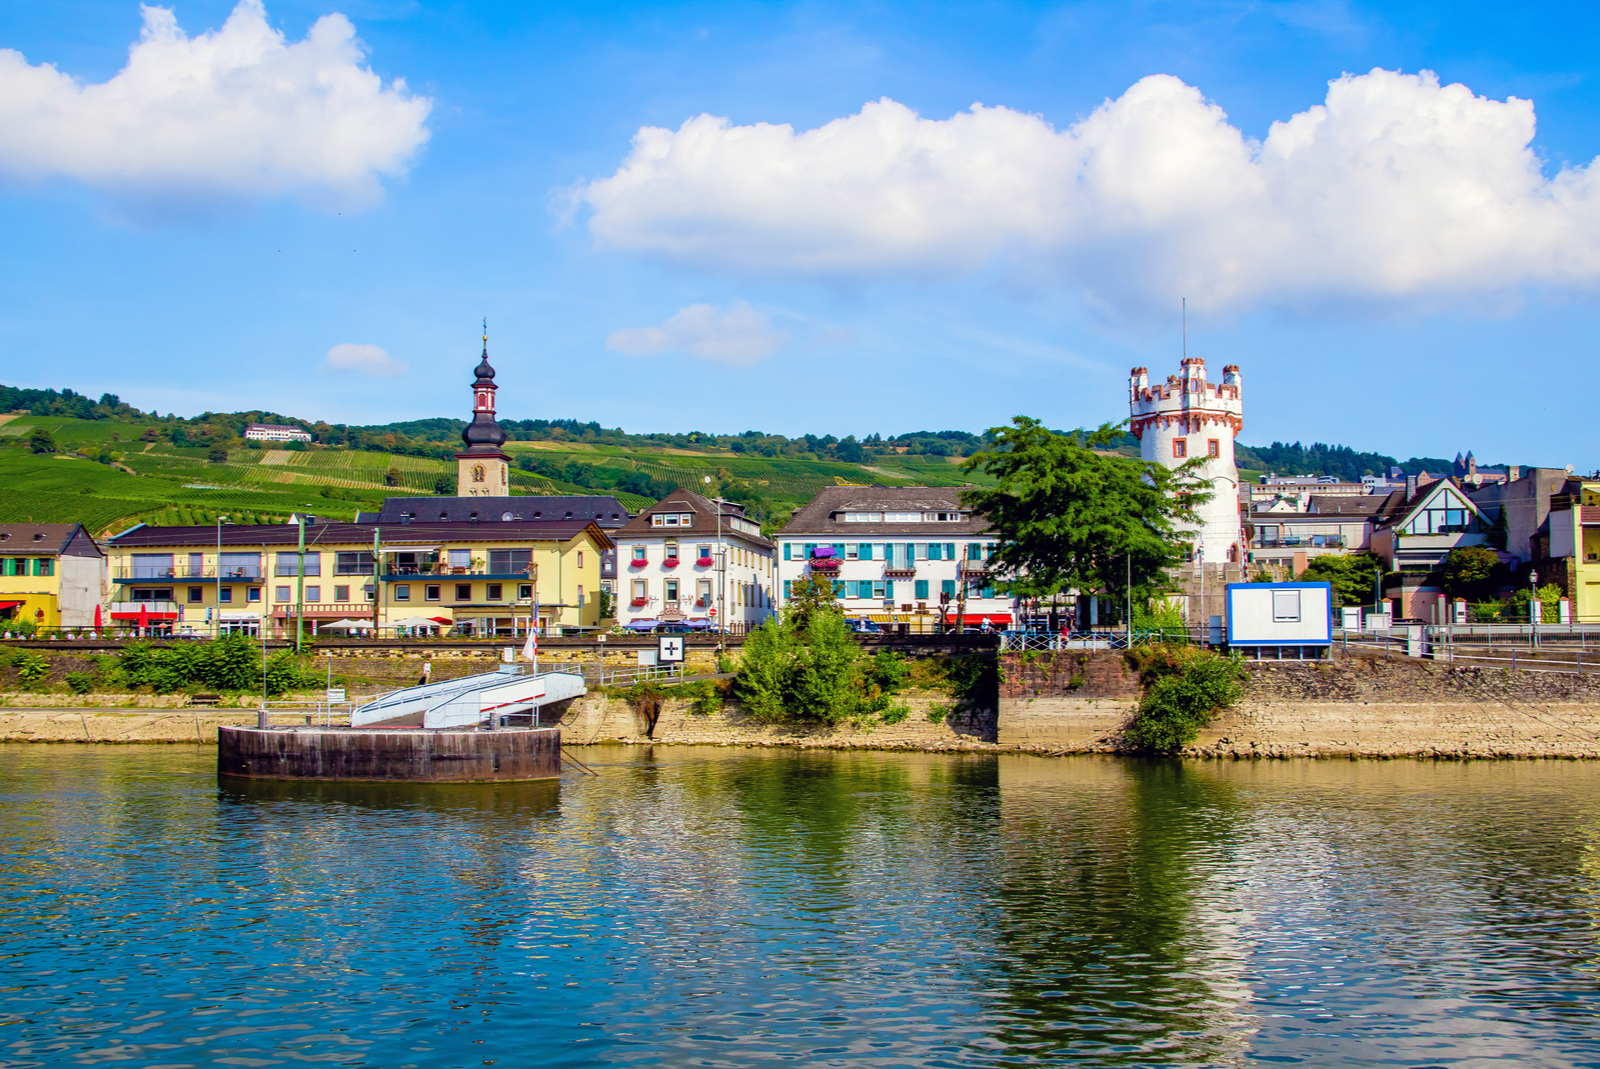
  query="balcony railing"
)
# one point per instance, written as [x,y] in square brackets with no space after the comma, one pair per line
[446,571]
[289,571]
[1301,542]
[152,573]
[122,608]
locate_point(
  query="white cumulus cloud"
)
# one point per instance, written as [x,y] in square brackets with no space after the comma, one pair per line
[1395,188]
[238,112]
[738,335]
[364,360]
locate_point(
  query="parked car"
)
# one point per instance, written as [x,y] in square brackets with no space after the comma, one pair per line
[865,627]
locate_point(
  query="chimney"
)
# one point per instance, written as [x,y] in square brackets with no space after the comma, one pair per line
[1411,486]
[1513,472]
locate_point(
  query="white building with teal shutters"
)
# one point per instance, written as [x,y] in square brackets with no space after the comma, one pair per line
[906,557]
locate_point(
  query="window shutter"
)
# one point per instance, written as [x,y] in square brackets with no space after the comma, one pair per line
[921,589]
[838,588]
[949,551]
[786,551]
[947,586]
[888,589]
[865,550]
[786,584]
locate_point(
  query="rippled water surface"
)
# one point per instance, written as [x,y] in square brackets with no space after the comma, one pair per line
[729,908]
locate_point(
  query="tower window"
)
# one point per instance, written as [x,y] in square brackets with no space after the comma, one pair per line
[1213,447]
[1180,448]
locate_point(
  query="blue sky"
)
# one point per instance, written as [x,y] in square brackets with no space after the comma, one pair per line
[1394,272]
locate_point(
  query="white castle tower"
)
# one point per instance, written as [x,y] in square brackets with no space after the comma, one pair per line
[1187,417]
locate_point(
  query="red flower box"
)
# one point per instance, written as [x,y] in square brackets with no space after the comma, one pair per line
[670,562]
[705,562]
[825,564]
[637,563]
[639,603]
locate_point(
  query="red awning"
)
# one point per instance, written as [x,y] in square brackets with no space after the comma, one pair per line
[147,615]
[996,619]
[11,604]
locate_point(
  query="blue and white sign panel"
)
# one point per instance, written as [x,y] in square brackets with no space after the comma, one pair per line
[1280,614]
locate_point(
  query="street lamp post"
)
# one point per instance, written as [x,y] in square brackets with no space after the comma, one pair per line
[1535,610]
[216,624]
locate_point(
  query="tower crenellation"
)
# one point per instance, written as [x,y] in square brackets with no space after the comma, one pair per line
[1188,418]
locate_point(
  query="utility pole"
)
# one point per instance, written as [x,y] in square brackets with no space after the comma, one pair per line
[300,588]
[376,554]
[216,628]
[1128,623]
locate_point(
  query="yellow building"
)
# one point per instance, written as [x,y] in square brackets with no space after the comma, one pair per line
[486,578]
[1575,535]
[51,575]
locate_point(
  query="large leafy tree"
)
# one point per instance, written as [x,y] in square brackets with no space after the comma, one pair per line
[1470,572]
[1070,515]
[1350,576]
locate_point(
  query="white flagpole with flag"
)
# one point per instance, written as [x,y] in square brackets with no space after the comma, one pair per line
[530,648]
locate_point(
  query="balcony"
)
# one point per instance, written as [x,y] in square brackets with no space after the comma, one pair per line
[402,573]
[1302,542]
[184,573]
[900,571]
[156,610]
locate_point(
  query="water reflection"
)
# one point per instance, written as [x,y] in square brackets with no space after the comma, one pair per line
[735,907]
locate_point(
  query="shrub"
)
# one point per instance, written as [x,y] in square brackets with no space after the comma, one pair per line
[937,712]
[32,669]
[896,713]
[80,682]
[815,674]
[1178,705]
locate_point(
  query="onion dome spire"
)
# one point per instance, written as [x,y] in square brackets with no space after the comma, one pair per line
[483,432]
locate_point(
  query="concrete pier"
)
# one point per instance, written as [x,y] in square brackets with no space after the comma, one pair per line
[334,753]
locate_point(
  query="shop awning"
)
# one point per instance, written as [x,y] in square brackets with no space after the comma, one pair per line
[11,604]
[147,616]
[996,619]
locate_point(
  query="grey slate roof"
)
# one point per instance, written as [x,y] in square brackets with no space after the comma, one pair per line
[704,521]
[57,539]
[817,515]
[605,511]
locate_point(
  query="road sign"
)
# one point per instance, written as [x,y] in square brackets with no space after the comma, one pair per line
[671,651]
[713,612]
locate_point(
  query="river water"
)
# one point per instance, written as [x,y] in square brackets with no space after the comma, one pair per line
[730,908]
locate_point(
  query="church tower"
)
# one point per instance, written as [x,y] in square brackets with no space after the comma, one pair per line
[483,469]
[1187,417]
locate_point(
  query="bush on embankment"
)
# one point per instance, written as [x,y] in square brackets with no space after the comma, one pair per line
[817,673]
[1185,689]
[230,664]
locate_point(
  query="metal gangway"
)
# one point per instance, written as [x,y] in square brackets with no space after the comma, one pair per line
[469,700]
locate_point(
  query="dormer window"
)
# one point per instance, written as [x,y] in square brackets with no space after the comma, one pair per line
[38,538]
[5,537]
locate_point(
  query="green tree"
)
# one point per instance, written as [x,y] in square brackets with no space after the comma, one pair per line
[1469,572]
[42,441]
[391,477]
[1177,706]
[444,484]
[809,596]
[217,453]
[1071,515]
[1350,576]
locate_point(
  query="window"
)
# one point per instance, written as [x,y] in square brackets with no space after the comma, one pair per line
[529,594]
[252,593]
[1180,448]
[341,593]
[243,565]
[1286,606]
[863,517]
[197,594]
[1213,447]
[670,590]
[510,561]
[638,553]
[525,591]
[225,594]
[359,563]
[879,589]
[44,566]
[702,597]
[402,591]
[153,594]
[851,553]
[431,592]
[580,558]
[280,593]
[313,593]
[493,592]
[459,558]
[672,551]
[463,591]
[921,589]
[866,551]
[947,586]
[974,551]
[289,564]
[704,552]
[145,566]
[659,520]
[902,517]
[641,589]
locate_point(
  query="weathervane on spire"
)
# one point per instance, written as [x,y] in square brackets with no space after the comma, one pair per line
[486,331]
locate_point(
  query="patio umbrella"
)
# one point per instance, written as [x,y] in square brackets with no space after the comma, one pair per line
[144,616]
[97,617]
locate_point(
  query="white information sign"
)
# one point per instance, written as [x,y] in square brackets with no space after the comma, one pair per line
[335,694]
[671,651]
